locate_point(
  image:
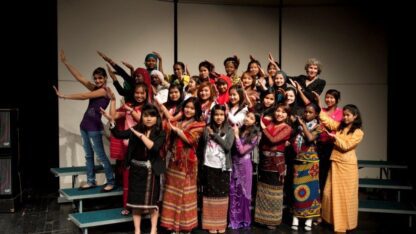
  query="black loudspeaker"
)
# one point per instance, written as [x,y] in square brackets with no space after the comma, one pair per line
[10,189]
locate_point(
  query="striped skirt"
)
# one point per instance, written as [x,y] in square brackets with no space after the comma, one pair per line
[179,210]
[340,198]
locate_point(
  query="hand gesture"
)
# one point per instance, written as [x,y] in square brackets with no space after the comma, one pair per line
[210,131]
[263,126]
[174,129]
[105,114]
[58,93]
[157,101]
[157,55]
[111,72]
[236,130]
[330,134]
[297,86]
[300,120]
[282,91]
[110,94]
[261,73]
[186,72]
[273,61]
[317,99]
[292,82]
[227,109]
[127,107]
[62,56]
[128,65]
[107,59]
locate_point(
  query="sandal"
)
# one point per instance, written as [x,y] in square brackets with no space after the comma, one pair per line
[108,188]
[87,186]
[125,212]
[317,221]
[270,227]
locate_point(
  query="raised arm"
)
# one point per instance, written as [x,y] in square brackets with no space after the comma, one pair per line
[226,143]
[160,67]
[328,121]
[82,96]
[129,66]
[243,147]
[302,95]
[273,61]
[282,135]
[88,84]
[120,71]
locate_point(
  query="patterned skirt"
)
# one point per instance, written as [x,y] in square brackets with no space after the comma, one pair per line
[307,202]
[179,210]
[144,188]
[269,199]
[215,198]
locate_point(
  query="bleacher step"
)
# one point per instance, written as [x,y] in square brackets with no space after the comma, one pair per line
[76,194]
[99,218]
[386,207]
[380,164]
[71,171]
[384,184]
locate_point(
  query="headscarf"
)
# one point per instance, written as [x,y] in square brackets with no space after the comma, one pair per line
[150,55]
[158,74]
[146,79]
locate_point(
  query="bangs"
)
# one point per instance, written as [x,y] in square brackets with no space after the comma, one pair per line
[150,112]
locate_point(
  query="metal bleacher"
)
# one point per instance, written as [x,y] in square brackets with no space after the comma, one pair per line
[85,220]
[385,182]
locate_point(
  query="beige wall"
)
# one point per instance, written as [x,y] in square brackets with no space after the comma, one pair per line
[215,32]
[351,47]
[126,31]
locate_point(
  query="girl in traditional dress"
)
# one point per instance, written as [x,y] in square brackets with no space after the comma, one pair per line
[241,175]
[307,201]
[179,210]
[146,165]
[272,169]
[340,198]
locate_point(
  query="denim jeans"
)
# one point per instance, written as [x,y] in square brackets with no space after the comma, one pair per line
[92,141]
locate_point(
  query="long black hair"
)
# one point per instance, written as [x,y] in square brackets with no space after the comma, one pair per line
[241,102]
[197,106]
[212,123]
[150,109]
[356,124]
[249,133]
[171,103]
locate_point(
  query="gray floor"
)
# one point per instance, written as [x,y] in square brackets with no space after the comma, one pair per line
[41,213]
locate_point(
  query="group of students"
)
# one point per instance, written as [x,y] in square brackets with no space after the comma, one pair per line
[177,138]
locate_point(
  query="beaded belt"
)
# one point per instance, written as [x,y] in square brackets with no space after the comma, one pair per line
[272,154]
[146,164]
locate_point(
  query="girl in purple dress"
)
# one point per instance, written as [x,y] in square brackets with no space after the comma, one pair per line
[242,170]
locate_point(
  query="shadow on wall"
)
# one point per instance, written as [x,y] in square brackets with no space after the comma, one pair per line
[71,153]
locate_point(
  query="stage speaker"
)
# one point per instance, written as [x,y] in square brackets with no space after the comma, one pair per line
[10,183]
[6,176]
